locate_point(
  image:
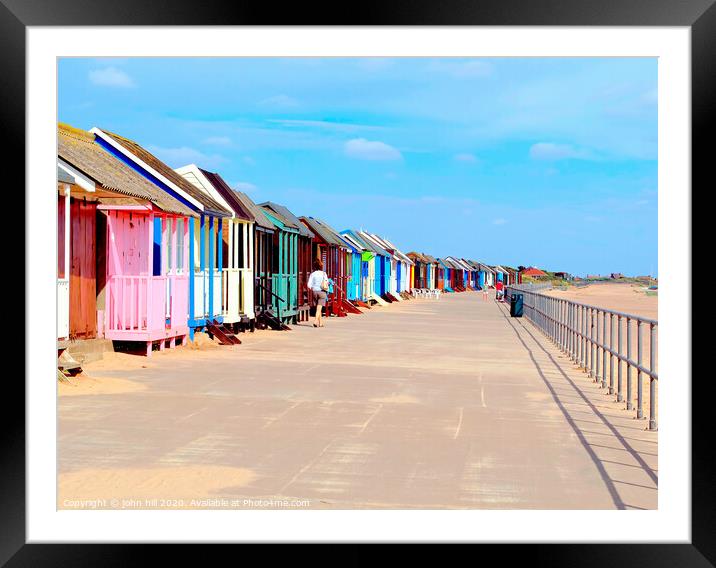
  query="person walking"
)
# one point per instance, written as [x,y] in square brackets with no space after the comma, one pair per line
[500,287]
[485,290]
[318,286]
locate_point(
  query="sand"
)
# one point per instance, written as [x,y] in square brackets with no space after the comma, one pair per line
[627,298]
[83,384]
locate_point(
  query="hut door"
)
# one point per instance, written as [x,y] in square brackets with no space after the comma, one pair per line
[83,283]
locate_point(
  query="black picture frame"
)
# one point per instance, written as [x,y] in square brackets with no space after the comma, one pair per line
[16,15]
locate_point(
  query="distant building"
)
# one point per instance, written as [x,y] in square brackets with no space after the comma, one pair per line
[563,275]
[533,272]
[593,277]
[616,275]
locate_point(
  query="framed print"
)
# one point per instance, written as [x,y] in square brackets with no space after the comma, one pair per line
[410,278]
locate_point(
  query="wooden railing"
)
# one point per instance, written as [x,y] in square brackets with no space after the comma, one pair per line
[63,308]
[146,303]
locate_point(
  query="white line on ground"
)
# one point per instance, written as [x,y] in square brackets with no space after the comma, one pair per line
[459,424]
[377,410]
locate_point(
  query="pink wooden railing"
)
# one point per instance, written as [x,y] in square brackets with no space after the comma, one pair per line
[137,304]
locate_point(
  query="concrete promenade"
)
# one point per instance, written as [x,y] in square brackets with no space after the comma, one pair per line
[422,404]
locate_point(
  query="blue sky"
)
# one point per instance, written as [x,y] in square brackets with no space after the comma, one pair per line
[549,162]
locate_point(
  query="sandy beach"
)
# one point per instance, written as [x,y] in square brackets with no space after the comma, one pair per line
[627,298]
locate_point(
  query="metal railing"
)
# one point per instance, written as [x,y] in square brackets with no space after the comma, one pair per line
[593,338]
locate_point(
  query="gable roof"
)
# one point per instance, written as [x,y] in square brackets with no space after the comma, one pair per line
[399,253]
[352,239]
[145,159]
[417,257]
[79,149]
[288,218]
[254,211]
[324,231]
[372,245]
[228,194]
[532,271]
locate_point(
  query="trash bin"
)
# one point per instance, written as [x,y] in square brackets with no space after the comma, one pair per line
[516,305]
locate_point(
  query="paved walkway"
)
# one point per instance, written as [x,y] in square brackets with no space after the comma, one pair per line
[423,404]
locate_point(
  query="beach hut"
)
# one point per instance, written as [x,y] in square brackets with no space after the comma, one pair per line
[500,274]
[354,286]
[205,254]
[403,264]
[399,264]
[334,253]
[488,275]
[236,252]
[263,264]
[124,248]
[420,270]
[431,272]
[364,280]
[461,275]
[447,274]
[373,266]
[292,263]
[475,274]
[383,267]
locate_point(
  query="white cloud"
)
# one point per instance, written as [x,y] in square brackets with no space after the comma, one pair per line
[217,140]
[552,152]
[467,158]
[499,221]
[363,149]
[177,157]
[279,102]
[111,77]
[248,160]
[244,186]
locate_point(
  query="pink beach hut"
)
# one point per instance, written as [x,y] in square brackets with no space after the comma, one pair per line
[143,289]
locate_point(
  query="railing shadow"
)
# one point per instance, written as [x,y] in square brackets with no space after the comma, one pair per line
[599,463]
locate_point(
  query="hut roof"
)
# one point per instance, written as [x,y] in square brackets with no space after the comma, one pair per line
[324,231]
[400,254]
[352,239]
[240,210]
[285,215]
[79,149]
[532,271]
[146,158]
[254,210]
[417,257]
[373,245]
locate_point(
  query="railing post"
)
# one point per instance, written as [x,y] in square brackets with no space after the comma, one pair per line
[604,350]
[639,382]
[652,381]
[620,395]
[584,338]
[597,375]
[611,353]
[628,365]
[591,342]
